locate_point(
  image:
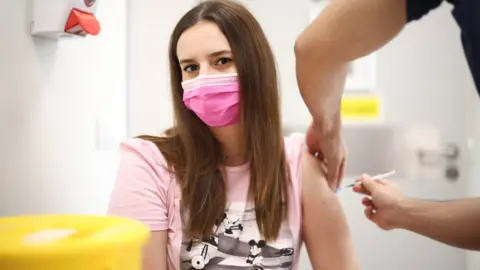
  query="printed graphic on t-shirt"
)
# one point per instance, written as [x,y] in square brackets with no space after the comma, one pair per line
[237,244]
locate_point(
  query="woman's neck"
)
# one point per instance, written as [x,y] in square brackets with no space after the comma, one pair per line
[231,139]
[234,154]
[234,160]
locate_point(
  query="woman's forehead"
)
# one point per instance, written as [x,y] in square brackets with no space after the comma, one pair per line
[202,39]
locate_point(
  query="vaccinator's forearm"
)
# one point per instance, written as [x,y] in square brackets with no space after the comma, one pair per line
[455,223]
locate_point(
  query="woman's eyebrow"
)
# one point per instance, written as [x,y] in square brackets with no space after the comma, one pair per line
[218,53]
[186,61]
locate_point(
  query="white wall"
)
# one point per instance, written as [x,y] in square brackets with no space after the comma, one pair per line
[149,28]
[51,96]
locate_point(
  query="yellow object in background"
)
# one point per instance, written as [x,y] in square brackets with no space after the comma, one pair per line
[71,242]
[361,108]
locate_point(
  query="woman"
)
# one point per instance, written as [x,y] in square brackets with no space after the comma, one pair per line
[222,189]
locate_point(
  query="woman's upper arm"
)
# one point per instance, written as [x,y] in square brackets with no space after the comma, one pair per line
[139,193]
[325,230]
[155,252]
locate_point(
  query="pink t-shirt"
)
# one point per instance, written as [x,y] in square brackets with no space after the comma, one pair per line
[145,191]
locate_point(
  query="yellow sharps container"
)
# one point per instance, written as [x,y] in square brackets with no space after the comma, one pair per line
[71,242]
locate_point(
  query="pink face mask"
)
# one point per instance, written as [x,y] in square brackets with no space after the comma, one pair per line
[215,99]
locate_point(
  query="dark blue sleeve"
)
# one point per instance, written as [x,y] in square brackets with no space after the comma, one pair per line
[467,15]
[416,9]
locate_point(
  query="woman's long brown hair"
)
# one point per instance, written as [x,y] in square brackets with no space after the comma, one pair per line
[192,152]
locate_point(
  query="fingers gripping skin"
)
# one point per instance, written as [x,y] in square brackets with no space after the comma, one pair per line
[331,149]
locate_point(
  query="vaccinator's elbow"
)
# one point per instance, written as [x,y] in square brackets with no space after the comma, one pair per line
[300,46]
[308,48]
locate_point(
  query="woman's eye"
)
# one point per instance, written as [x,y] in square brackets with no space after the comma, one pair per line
[223,61]
[190,68]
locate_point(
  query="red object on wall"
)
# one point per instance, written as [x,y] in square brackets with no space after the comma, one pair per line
[82,23]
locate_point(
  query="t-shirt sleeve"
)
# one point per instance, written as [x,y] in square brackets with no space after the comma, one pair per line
[140,190]
[416,9]
[294,148]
